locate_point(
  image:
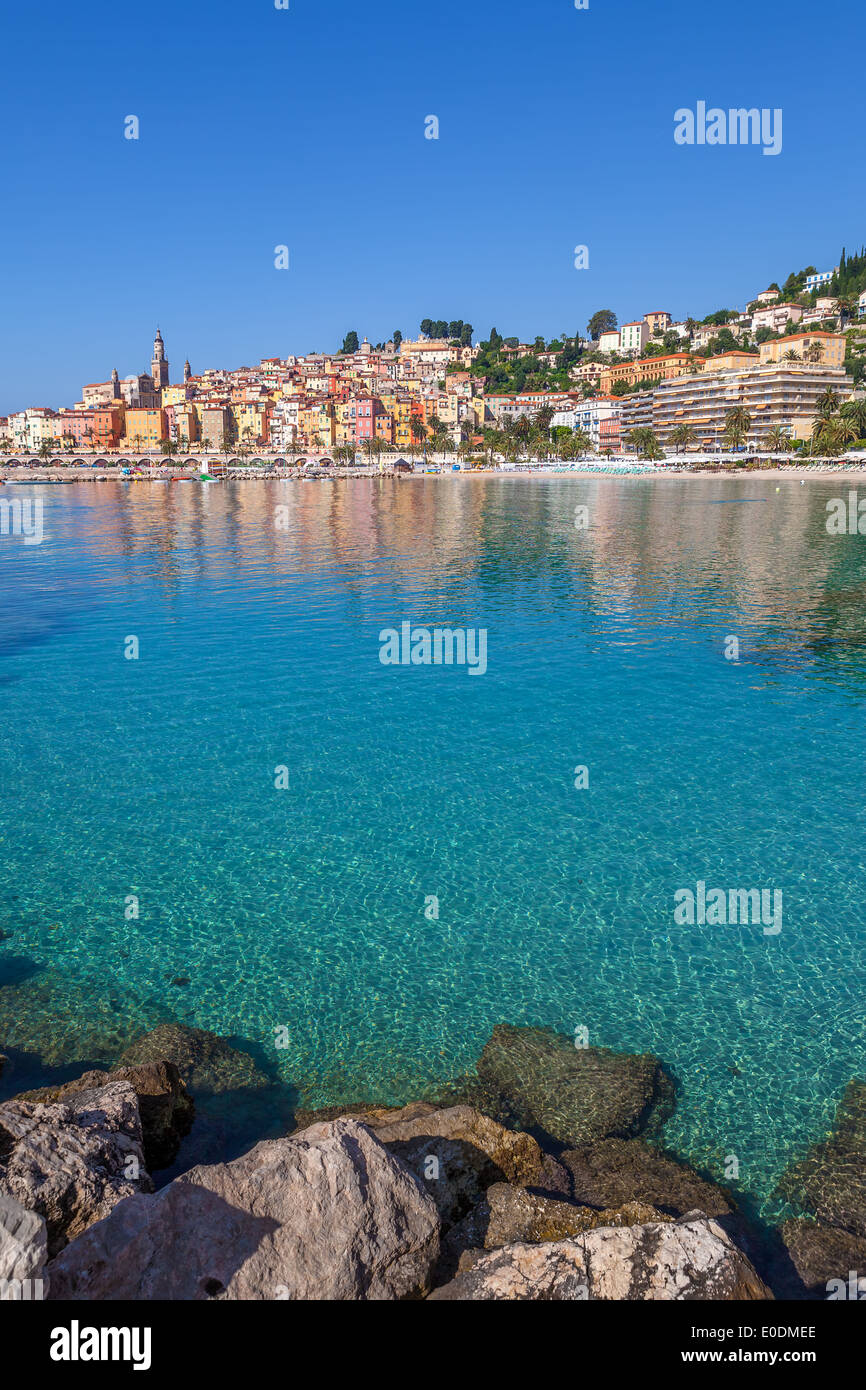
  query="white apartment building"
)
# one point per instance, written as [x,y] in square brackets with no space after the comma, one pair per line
[633,337]
[821,277]
[782,393]
[776,316]
[285,425]
[29,428]
[589,416]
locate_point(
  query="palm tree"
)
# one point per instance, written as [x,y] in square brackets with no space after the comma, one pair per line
[440,439]
[777,440]
[645,442]
[419,431]
[582,442]
[682,437]
[814,353]
[738,422]
[44,450]
[855,411]
[832,433]
[826,403]
[791,356]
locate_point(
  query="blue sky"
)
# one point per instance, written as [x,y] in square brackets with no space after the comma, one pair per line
[305,127]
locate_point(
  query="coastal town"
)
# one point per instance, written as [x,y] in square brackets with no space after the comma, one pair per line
[783,374]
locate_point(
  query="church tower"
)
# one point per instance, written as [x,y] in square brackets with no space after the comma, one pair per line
[159,365]
[187,371]
[115,384]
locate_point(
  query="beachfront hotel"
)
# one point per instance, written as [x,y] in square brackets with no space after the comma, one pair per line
[775,393]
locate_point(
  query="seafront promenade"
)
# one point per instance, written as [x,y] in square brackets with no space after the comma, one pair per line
[264,469]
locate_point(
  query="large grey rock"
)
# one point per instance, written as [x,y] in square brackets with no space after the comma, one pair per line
[165,1107]
[23,1247]
[456,1153]
[830,1181]
[614,1171]
[574,1094]
[684,1260]
[507,1214]
[326,1214]
[73,1162]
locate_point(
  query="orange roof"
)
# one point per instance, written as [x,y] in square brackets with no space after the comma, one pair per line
[814,333]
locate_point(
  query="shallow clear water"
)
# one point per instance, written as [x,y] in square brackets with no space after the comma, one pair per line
[304,907]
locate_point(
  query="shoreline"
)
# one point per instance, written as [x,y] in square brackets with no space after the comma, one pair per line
[70,475]
[538,1146]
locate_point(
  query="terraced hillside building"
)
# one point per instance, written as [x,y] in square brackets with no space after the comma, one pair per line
[774,393]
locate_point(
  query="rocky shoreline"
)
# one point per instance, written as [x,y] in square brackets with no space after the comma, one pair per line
[538,1177]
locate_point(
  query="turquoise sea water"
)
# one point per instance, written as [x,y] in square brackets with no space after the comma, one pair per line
[304,907]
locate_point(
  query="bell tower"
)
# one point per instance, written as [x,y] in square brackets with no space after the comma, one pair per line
[159,364]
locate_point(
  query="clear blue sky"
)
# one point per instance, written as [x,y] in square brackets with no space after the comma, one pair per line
[306,127]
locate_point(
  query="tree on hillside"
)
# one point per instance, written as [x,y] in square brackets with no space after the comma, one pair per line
[350,343]
[602,321]
[397,338]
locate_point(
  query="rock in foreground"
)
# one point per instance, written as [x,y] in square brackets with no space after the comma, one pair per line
[327,1214]
[73,1163]
[574,1094]
[164,1105]
[684,1260]
[23,1244]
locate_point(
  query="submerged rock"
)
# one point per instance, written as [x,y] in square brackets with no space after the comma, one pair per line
[574,1094]
[823,1254]
[326,1214]
[23,1245]
[63,1021]
[614,1171]
[164,1105]
[236,1103]
[73,1162]
[829,1181]
[206,1062]
[683,1260]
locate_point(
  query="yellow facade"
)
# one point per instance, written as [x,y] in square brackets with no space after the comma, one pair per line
[144,428]
[828,349]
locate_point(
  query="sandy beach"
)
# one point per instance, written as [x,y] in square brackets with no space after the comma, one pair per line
[793,473]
